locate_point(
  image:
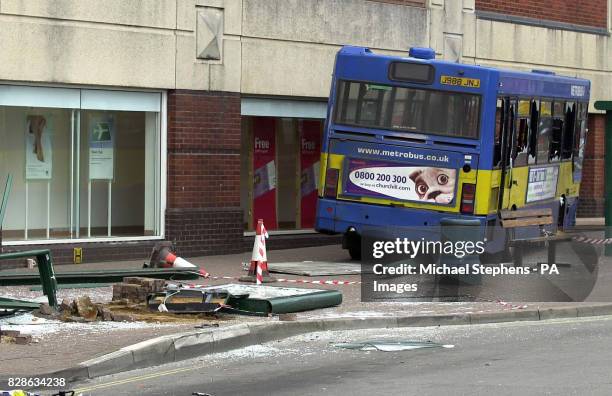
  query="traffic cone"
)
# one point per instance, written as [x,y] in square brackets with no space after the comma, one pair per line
[163,257]
[258,270]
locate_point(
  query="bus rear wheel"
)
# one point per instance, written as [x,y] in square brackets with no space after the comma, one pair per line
[355,252]
[352,242]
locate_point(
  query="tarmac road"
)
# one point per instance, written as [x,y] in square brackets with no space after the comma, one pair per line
[557,357]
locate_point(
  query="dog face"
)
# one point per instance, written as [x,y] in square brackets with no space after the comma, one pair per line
[434,184]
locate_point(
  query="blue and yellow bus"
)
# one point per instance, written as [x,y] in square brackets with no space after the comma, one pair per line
[413,140]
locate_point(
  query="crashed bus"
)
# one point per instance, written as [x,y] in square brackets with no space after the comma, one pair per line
[411,141]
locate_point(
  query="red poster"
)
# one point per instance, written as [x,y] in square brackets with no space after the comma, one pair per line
[310,155]
[264,171]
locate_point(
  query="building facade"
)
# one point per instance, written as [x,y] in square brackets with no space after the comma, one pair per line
[128,122]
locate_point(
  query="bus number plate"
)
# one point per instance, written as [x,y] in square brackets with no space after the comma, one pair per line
[460,81]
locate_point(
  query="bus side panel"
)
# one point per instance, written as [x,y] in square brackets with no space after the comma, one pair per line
[322,173]
[487,192]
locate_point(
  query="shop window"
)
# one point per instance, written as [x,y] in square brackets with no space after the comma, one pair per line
[117,186]
[85,165]
[280,171]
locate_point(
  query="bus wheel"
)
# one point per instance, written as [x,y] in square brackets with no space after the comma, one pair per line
[355,251]
[352,242]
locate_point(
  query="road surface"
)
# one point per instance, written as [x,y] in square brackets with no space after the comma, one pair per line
[560,357]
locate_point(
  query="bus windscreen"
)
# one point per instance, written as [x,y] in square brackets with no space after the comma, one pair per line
[407,109]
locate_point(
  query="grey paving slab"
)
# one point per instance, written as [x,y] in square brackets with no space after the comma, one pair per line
[315,268]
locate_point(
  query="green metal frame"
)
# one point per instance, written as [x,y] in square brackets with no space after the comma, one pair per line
[45,270]
[287,304]
[98,276]
[17,304]
[5,197]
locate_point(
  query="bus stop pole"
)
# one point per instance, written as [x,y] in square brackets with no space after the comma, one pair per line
[607,107]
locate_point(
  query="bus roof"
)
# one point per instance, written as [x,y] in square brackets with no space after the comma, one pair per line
[361,64]
[538,83]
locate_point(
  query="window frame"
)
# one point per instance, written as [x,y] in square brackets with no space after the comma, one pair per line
[161,170]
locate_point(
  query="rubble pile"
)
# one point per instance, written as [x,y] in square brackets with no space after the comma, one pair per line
[136,289]
[14,337]
[129,304]
[129,294]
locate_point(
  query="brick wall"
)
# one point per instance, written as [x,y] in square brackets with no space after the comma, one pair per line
[584,12]
[592,190]
[203,213]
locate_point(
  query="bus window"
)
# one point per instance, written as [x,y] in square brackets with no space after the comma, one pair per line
[533,136]
[580,118]
[510,155]
[545,109]
[348,93]
[568,131]
[556,134]
[370,97]
[408,109]
[544,132]
[499,125]
[522,133]
[579,140]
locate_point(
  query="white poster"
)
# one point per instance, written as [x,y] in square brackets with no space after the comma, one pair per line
[39,152]
[542,183]
[101,148]
[408,183]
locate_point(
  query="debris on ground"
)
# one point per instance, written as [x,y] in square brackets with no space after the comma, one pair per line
[136,289]
[14,337]
[287,317]
[153,300]
[189,301]
[390,346]
[128,305]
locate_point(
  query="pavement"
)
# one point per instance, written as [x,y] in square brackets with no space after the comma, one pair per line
[82,351]
[554,357]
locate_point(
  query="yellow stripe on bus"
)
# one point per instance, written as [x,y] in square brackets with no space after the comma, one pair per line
[487,188]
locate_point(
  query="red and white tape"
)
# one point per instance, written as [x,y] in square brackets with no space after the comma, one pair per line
[314,282]
[593,241]
[320,282]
